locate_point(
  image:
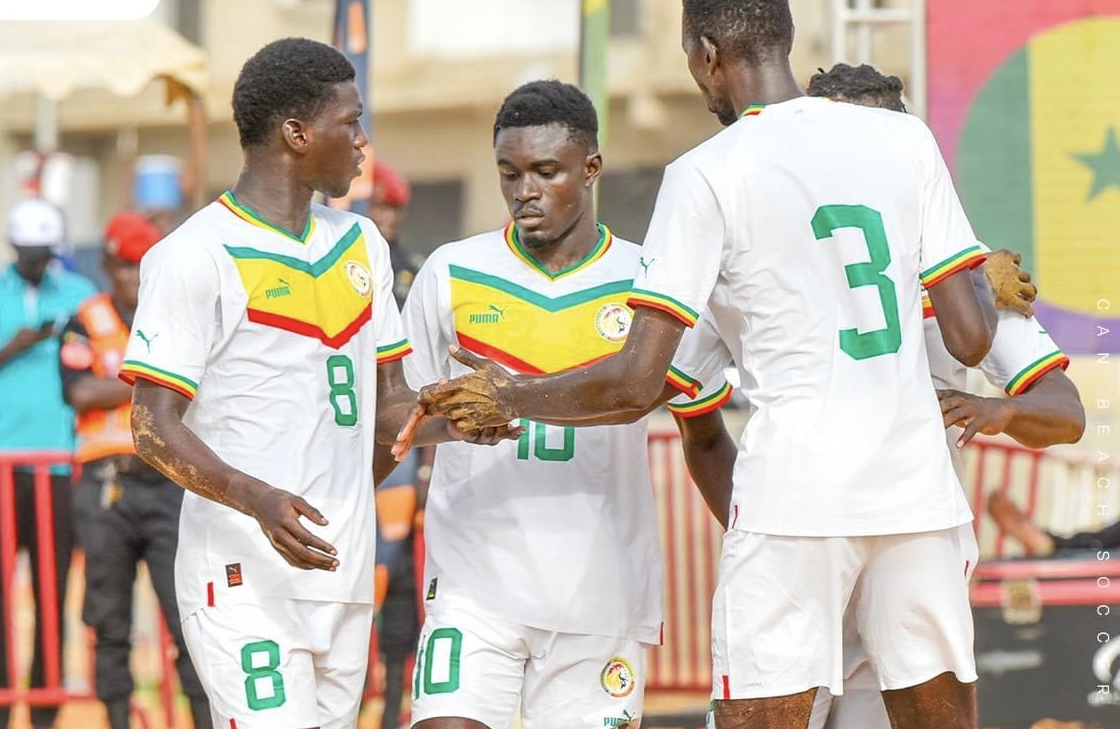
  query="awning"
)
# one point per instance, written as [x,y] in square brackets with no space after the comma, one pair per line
[56,58]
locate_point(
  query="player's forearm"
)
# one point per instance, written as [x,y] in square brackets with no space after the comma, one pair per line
[1048,413]
[609,392]
[622,417]
[166,444]
[710,457]
[622,387]
[97,393]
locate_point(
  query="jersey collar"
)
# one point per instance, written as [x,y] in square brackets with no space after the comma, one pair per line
[250,216]
[597,251]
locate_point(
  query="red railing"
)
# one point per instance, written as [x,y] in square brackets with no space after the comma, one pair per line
[55,691]
[1057,489]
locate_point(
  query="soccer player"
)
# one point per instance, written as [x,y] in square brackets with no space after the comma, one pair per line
[809,224]
[265,340]
[1043,407]
[544,574]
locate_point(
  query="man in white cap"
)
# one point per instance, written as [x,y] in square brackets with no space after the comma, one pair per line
[37,298]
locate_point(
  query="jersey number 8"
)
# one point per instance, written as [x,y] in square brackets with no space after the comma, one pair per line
[343,399]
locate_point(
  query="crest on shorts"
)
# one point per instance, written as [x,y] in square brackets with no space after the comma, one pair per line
[618,678]
[613,322]
[359,277]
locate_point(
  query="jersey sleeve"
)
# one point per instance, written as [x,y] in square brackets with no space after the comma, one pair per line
[75,354]
[698,371]
[176,323]
[392,344]
[422,321]
[1022,352]
[948,244]
[681,255]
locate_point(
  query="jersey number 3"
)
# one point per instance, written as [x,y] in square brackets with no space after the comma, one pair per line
[853,342]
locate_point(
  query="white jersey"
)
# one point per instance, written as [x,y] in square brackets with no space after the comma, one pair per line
[274,338]
[556,531]
[1022,352]
[812,222]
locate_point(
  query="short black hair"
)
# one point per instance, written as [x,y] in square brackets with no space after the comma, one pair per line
[288,78]
[858,84]
[540,103]
[750,31]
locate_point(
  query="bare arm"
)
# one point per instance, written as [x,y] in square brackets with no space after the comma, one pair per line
[96,393]
[1048,413]
[965,316]
[168,445]
[624,386]
[710,454]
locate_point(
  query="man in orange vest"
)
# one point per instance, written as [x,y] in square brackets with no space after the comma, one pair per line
[126,510]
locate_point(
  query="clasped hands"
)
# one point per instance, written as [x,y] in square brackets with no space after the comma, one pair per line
[474,405]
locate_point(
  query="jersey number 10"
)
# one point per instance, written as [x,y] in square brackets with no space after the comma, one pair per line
[853,342]
[542,451]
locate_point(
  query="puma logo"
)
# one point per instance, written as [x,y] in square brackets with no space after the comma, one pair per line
[645,264]
[146,339]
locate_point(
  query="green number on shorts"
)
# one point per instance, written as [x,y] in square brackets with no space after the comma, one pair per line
[536,432]
[340,376]
[268,671]
[439,658]
[857,344]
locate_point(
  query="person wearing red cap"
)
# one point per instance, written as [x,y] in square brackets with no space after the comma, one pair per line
[126,510]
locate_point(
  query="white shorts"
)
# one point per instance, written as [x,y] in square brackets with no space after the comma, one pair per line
[861,706]
[473,666]
[779,610]
[281,664]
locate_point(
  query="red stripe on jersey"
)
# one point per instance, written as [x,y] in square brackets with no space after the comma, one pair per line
[726,687]
[233,724]
[210,594]
[735,513]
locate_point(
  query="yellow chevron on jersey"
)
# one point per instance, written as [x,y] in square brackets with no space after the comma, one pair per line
[501,320]
[329,299]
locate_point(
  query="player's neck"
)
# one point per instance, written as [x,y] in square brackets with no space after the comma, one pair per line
[569,249]
[274,196]
[766,84]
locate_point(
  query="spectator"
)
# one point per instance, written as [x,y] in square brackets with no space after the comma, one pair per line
[399,494]
[37,297]
[127,511]
[1040,543]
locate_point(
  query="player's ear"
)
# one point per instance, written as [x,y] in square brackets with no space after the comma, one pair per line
[296,135]
[592,168]
[711,53]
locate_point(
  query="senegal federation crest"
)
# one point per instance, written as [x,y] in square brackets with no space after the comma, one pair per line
[359,277]
[613,322]
[618,678]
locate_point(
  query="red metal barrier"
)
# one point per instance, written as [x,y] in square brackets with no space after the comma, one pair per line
[54,692]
